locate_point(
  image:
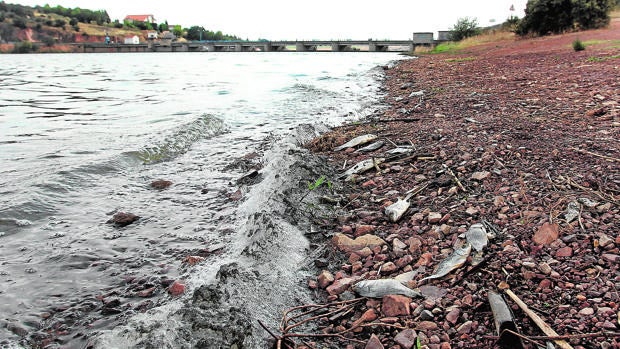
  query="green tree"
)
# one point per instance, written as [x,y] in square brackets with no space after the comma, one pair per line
[73,21]
[465,28]
[163,27]
[177,31]
[19,22]
[196,33]
[555,16]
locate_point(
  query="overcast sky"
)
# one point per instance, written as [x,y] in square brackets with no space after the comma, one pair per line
[316,19]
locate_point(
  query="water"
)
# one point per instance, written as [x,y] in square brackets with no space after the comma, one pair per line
[83,136]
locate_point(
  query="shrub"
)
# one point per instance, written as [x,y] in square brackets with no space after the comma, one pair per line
[60,23]
[25,47]
[73,21]
[578,45]
[76,28]
[19,22]
[48,40]
[465,28]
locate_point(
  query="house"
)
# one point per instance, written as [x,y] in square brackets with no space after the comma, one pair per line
[140,18]
[132,40]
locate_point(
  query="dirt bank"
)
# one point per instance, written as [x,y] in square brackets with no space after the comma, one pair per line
[516,133]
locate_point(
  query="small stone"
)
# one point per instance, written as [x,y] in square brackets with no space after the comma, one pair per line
[544,284]
[122,219]
[388,268]
[426,326]
[613,258]
[453,315]
[364,229]
[340,286]
[472,211]
[586,311]
[373,343]
[192,260]
[146,293]
[414,244]
[465,327]
[398,245]
[426,315]
[482,175]
[176,289]
[346,244]
[434,217]
[325,279]
[161,184]
[395,305]
[545,268]
[406,338]
[546,234]
[564,252]
[369,183]
[604,240]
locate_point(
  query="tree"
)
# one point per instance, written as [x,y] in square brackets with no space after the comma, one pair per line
[163,27]
[196,33]
[464,28]
[177,31]
[555,16]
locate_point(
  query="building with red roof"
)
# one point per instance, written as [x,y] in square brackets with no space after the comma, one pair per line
[140,18]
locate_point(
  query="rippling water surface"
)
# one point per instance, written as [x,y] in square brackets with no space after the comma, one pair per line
[83,136]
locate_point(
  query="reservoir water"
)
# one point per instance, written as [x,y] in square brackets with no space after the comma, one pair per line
[82,137]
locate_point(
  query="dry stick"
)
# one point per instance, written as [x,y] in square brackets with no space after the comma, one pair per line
[316,307]
[525,338]
[538,320]
[569,336]
[595,154]
[288,328]
[456,179]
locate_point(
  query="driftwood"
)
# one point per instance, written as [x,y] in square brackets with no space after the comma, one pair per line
[538,320]
[504,321]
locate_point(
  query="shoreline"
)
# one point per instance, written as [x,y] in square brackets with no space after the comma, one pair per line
[529,128]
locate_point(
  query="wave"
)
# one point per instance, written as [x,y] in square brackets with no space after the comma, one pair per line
[181,140]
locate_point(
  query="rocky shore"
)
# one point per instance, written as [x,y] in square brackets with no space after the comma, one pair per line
[520,134]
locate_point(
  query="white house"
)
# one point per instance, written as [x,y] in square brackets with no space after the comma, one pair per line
[152,35]
[132,40]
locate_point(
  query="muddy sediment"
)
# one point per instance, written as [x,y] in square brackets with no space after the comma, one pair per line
[522,135]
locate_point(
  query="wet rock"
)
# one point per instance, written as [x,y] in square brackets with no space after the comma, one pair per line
[406,338]
[546,234]
[17,329]
[161,184]
[373,343]
[122,219]
[396,305]
[340,286]
[176,289]
[325,279]
[146,293]
[192,260]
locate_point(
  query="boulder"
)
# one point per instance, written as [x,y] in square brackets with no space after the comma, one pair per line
[160,184]
[122,219]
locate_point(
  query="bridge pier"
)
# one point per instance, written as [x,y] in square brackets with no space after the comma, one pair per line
[300,47]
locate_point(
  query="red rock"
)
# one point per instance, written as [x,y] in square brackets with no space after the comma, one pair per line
[482,175]
[434,217]
[374,343]
[345,243]
[340,286]
[192,260]
[546,234]
[354,257]
[177,288]
[426,326]
[614,258]
[403,261]
[388,268]
[453,315]
[425,259]
[364,229]
[406,338]
[564,252]
[396,305]
[312,284]
[364,252]
[146,293]
[347,229]
[161,184]
[544,284]
[325,279]
[465,327]
[368,316]
[445,345]
[414,244]
[369,183]
[122,219]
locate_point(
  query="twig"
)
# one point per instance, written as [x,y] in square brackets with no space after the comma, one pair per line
[569,336]
[538,320]
[268,331]
[456,179]
[595,154]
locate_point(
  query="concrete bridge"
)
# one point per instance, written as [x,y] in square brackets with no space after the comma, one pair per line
[419,39]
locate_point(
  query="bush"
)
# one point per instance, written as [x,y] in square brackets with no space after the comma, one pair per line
[25,47]
[73,21]
[465,28]
[48,40]
[117,24]
[19,22]
[76,28]
[578,45]
[555,16]
[59,23]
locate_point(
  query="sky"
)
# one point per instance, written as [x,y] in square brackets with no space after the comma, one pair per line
[307,20]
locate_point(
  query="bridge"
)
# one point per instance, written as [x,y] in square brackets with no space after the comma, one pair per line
[419,39]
